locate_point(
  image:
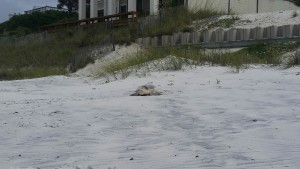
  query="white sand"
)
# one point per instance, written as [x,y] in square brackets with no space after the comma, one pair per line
[246,120]
[120,52]
[269,19]
[256,20]
[208,117]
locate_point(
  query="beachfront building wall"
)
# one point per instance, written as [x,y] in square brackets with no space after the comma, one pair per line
[148,7]
[111,7]
[242,6]
[276,5]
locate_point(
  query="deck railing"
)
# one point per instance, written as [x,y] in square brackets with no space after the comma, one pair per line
[115,20]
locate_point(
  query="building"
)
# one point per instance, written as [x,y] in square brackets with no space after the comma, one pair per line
[12,15]
[110,7]
[243,6]
[148,7]
[44,9]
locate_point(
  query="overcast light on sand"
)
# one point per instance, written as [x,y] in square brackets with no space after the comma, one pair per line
[207,117]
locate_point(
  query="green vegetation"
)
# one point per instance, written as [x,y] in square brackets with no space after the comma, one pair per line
[193,56]
[53,55]
[74,48]
[20,25]
[174,20]
[295,60]
[32,60]
[26,73]
[223,23]
[296,2]
[50,57]
[170,3]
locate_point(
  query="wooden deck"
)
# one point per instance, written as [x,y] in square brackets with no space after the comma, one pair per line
[115,20]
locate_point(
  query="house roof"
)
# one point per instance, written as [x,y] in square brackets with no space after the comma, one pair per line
[51,7]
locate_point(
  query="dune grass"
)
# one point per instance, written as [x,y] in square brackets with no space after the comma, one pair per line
[193,56]
[34,59]
[178,19]
[51,57]
[27,73]
[44,58]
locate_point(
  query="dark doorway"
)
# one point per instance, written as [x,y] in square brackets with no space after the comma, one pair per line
[123,6]
[178,2]
[143,7]
[139,5]
[123,9]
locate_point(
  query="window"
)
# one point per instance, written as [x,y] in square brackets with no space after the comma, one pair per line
[123,9]
[100,12]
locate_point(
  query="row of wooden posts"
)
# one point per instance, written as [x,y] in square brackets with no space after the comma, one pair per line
[222,36]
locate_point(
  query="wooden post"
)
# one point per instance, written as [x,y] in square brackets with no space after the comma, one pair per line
[229,7]
[257,5]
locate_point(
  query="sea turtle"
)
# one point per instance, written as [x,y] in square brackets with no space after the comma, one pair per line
[146,90]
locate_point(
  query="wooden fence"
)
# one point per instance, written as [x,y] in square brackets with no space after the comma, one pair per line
[115,20]
[225,38]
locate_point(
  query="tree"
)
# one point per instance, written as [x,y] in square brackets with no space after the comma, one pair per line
[27,23]
[70,4]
